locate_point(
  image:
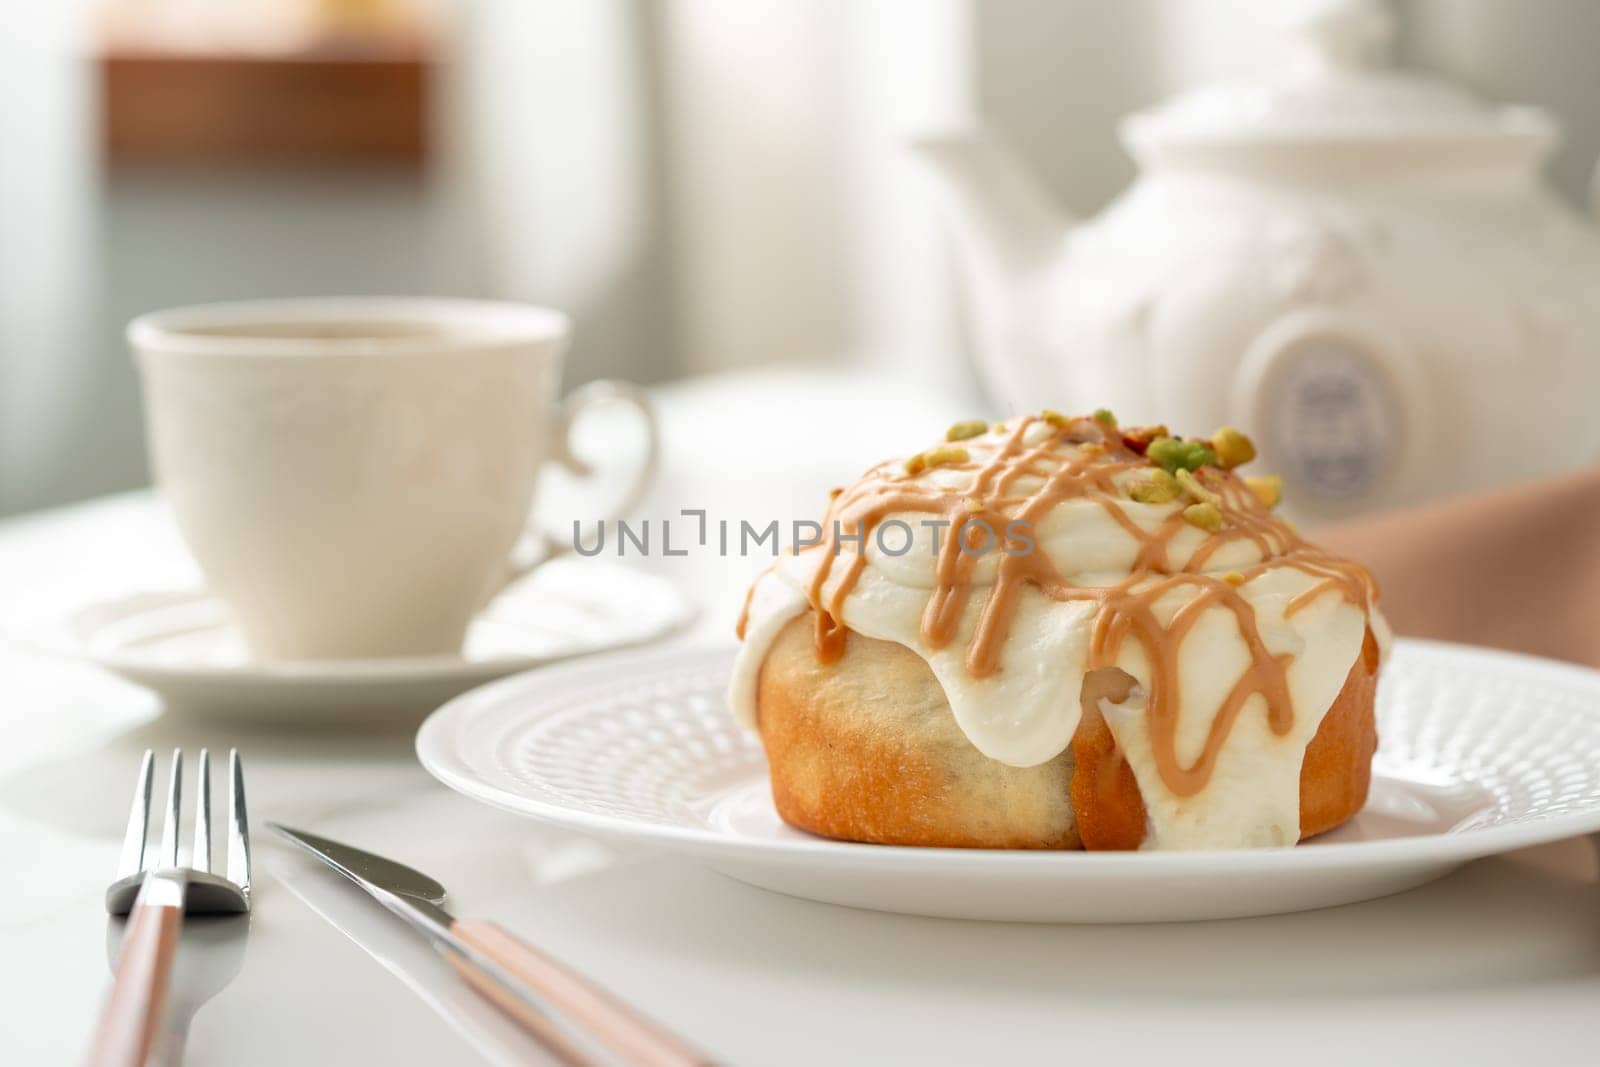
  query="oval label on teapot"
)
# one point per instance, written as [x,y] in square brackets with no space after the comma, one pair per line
[1332,417]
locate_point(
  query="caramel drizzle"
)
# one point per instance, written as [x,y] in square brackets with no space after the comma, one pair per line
[1124,611]
[743,624]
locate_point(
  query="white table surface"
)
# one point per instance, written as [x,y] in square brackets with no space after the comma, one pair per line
[1498,963]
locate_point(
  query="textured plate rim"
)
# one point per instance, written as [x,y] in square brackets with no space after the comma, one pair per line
[440,758]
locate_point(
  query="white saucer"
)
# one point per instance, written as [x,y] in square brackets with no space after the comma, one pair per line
[182,646]
[1480,752]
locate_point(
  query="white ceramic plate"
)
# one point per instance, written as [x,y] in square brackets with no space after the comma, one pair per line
[1480,752]
[182,646]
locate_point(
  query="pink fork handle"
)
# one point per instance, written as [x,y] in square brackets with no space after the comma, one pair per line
[629,1035]
[132,1017]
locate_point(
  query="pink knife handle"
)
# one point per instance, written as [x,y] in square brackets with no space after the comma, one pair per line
[634,1039]
[134,1011]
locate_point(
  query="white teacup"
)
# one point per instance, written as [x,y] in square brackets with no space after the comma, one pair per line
[353,474]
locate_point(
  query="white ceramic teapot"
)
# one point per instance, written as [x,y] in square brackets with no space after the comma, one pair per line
[1363,268]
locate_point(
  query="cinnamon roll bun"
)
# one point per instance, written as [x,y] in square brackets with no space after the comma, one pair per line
[1061,633]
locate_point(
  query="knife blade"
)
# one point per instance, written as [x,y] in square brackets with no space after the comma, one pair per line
[566,1011]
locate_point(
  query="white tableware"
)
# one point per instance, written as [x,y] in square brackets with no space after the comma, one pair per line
[353,474]
[1349,261]
[182,646]
[1480,752]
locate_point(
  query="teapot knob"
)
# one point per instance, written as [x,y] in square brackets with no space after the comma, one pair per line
[1345,34]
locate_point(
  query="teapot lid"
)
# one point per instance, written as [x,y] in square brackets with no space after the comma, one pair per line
[1340,92]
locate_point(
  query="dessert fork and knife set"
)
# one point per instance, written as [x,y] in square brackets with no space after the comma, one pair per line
[157,891]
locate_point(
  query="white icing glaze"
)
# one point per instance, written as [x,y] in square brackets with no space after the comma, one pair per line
[773,603]
[1253,797]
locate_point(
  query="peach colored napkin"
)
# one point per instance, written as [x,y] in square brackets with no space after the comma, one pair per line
[1515,568]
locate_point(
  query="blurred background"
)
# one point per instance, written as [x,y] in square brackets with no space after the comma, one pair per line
[705,185]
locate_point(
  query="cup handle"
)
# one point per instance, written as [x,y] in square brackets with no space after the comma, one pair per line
[586,398]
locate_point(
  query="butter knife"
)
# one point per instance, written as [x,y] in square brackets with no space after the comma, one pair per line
[566,1011]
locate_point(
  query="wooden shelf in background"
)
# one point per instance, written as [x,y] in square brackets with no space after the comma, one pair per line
[344,104]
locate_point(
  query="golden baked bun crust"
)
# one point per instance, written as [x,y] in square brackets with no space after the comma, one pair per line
[865,748]
[1338,767]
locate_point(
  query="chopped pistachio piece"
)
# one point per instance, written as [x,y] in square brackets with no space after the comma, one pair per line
[1233,578]
[1166,451]
[1268,488]
[938,457]
[973,504]
[1055,418]
[1092,448]
[1206,515]
[1159,488]
[1104,417]
[1233,448]
[1174,454]
[961,431]
[1191,485]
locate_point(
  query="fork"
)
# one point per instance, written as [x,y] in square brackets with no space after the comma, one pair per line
[155,895]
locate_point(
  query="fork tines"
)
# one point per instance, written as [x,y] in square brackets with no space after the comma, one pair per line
[136,860]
